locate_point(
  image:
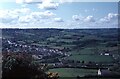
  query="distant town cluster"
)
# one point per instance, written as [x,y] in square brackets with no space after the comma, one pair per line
[89,50]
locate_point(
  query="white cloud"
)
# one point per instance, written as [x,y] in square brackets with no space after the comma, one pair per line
[37,17]
[75,17]
[7,16]
[63,1]
[12,16]
[22,10]
[23,5]
[89,19]
[58,19]
[43,15]
[25,19]
[48,5]
[19,1]
[91,22]
[110,17]
[28,1]
[24,15]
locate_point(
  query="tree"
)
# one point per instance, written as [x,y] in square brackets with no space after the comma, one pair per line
[83,62]
[19,68]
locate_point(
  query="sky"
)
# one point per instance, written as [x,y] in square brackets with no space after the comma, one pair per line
[58,14]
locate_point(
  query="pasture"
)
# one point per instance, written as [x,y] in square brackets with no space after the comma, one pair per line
[93,58]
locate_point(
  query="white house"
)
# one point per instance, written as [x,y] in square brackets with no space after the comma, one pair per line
[99,72]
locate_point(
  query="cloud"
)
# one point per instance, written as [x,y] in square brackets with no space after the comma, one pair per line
[19,1]
[89,19]
[37,17]
[23,5]
[28,1]
[92,22]
[48,5]
[12,16]
[63,1]
[110,17]
[75,17]
[22,10]
[35,1]
[43,15]
[7,16]
[25,19]
[24,15]
[58,20]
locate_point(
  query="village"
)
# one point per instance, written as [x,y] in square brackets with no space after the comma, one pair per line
[101,61]
[42,54]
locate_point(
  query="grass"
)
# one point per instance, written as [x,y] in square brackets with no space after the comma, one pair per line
[94,58]
[73,72]
[65,40]
[85,50]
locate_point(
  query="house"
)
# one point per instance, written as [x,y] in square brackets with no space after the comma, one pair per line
[99,72]
[107,54]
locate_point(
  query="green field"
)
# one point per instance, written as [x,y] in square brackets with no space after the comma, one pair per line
[88,51]
[94,58]
[73,72]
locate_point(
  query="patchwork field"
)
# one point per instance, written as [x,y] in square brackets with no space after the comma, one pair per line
[58,46]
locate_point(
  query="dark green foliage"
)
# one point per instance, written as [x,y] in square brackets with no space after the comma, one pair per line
[17,68]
